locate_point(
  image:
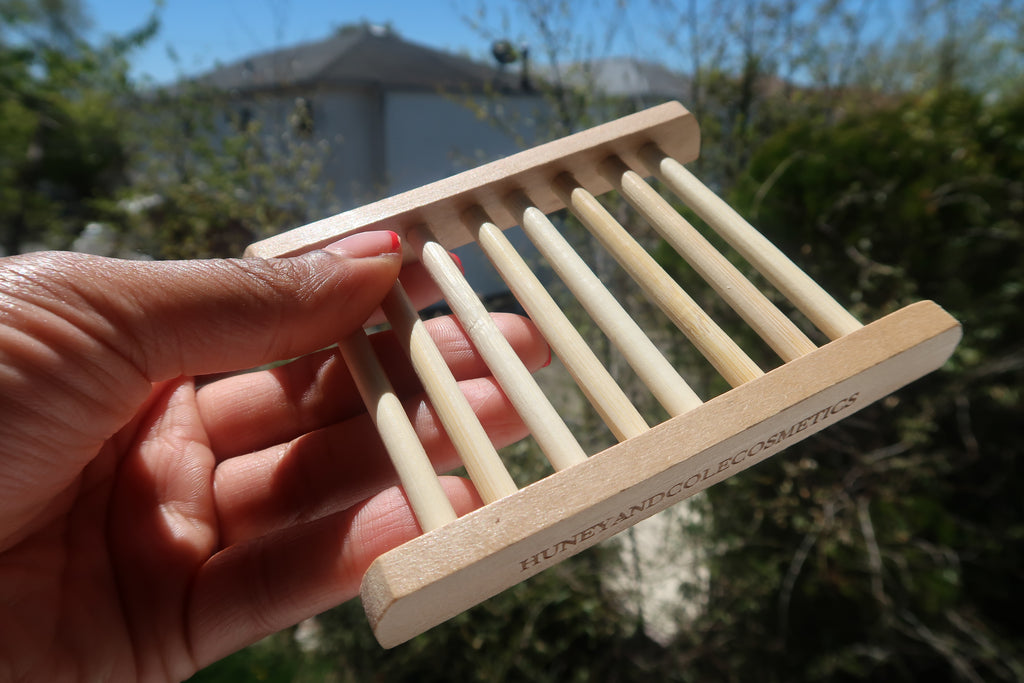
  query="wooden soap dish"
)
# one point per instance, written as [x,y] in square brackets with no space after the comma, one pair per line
[459,562]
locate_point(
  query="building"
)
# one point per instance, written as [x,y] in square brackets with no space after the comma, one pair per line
[629,81]
[393,115]
[396,114]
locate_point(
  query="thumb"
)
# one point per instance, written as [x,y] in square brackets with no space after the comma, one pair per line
[218,316]
[199,317]
[83,339]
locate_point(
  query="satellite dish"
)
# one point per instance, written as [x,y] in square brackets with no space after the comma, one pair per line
[504,52]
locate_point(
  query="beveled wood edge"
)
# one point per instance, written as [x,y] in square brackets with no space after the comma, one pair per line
[438,575]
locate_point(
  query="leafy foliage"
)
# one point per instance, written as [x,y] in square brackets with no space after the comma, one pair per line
[903,519]
[61,117]
[218,178]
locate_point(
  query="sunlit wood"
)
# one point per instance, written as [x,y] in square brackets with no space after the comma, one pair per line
[462,561]
[482,462]
[416,474]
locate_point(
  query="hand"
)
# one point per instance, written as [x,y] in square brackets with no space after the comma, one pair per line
[152,522]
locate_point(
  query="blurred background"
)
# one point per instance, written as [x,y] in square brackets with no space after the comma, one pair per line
[880,144]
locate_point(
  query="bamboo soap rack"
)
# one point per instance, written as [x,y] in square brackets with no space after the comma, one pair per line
[459,562]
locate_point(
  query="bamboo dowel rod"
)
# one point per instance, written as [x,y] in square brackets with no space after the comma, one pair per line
[547,427]
[721,351]
[422,487]
[753,306]
[653,369]
[601,390]
[482,462]
[813,301]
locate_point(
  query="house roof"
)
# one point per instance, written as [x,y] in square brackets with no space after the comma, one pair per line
[356,56]
[628,77]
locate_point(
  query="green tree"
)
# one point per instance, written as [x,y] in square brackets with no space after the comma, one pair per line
[61,117]
[214,177]
[887,547]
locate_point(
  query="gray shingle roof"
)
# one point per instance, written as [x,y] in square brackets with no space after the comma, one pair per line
[630,77]
[624,77]
[355,56]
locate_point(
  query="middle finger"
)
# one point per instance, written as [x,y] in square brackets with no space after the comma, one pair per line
[333,468]
[250,412]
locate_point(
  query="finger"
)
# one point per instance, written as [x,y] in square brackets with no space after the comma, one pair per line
[258,410]
[160,525]
[169,319]
[420,287]
[331,469]
[251,590]
[416,282]
[86,337]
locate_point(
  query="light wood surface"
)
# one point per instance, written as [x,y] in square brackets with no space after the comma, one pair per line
[462,561]
[440,574]
[484,466]
[806,294]
[653,369]
[545,424]
[607,398]
[714,344]
[415,472]
[441,204]
[784,337]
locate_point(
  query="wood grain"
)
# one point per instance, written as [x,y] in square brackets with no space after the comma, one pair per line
[441,204]
[415,472]
[653,369]
[713,343]
[597,384]
[784,337]
[484,466]
[803,292]
[543,421]
[442,573]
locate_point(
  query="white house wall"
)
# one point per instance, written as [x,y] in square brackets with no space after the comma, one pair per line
[430,136]
[348,121]
[380,143]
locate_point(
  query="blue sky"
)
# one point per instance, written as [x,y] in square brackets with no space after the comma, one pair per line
[205,32]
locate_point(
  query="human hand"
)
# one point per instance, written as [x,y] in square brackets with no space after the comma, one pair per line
[152,523]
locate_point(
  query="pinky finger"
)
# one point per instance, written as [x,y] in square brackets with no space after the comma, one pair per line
[250,590]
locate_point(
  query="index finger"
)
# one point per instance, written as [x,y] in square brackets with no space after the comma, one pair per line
[420,287]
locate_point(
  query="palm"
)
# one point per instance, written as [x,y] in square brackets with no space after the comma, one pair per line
[150,525]
[105,580]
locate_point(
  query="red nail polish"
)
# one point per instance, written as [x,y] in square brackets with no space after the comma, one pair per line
[548,362]
[458,261]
